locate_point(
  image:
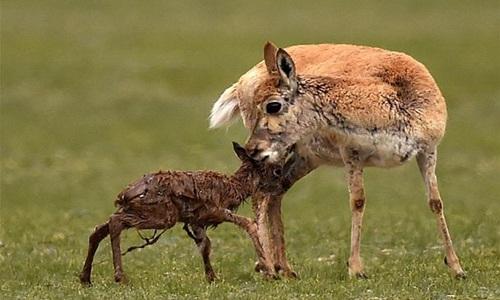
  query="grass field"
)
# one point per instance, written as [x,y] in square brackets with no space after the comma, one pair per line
[97,93]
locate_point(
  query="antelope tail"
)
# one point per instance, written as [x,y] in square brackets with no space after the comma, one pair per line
[225,109]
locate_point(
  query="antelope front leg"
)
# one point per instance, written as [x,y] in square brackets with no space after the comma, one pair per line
[251,228]
[354,170]
[267,210]
[295,168]
[260,203]
[277,235]
[427,165]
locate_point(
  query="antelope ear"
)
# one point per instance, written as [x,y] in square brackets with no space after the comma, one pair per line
[240,151]
[286,69]
[270,51]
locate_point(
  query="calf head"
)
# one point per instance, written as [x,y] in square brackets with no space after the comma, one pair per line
[265,177]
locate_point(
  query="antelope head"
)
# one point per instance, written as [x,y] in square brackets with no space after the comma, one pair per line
[279,118]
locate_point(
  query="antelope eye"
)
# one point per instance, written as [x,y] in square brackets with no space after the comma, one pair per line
[273,107]
[277,172]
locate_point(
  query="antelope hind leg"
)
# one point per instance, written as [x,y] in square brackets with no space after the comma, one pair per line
[427,165]
[354,170]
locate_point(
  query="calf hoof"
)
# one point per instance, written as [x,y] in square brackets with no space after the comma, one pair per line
[211,277]
[361,276]
[122,279]
[84,280]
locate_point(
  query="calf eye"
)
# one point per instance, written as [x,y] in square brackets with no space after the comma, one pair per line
[273,107]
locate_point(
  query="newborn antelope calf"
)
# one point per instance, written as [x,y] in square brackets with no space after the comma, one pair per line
[197,199]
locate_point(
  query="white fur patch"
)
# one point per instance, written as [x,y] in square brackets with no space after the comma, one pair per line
[225,109]
[383,149]
[272,156]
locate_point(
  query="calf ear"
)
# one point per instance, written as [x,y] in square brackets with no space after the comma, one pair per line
[270,51]
[286,69]
[293,163]
[240,151]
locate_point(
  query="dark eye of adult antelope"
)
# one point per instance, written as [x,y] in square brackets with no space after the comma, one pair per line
[273,107]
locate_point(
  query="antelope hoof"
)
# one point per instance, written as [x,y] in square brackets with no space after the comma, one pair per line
[290,274]
[286,271]
[460,275]
[258,267]
[357,274]
[268,274]
[273,276]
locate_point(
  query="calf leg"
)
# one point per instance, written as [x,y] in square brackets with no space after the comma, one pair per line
[116,226]
[199,235]
[354,170]
[251,228]
[95,238]
[427,165]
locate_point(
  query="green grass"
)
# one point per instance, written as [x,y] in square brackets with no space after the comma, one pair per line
[97,93]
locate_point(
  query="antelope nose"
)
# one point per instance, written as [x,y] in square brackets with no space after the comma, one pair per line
[255,153]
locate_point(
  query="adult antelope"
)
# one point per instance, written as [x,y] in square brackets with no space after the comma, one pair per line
[343,105]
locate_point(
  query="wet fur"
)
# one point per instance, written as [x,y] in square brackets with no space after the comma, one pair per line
[198,199]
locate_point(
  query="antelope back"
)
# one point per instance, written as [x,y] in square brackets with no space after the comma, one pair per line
[330,93]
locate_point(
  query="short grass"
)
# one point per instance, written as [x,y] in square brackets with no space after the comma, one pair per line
[97,93]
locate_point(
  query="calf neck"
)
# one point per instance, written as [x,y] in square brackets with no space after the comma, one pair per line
[199,199]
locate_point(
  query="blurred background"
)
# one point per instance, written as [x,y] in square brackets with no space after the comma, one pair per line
[96,93]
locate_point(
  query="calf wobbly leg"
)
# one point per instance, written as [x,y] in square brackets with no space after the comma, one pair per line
[251,228]
[199,235]
[116,226]
[95,238]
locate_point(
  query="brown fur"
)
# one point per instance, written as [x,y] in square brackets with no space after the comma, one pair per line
[343,105]
[197,199]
